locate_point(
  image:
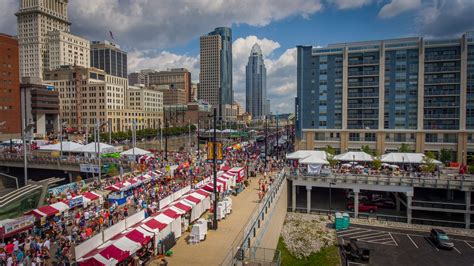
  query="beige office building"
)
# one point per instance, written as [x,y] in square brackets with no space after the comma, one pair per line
[103,98]
[35,19]
[67,49]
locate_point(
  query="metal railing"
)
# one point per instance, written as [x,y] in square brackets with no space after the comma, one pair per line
[440,81]
[439,205]
[441,57]
[261,256]
[458,183]
[362,84]
[362,94]
[441,69]
[440,92]
[363,73]
[240,243]
[441,115]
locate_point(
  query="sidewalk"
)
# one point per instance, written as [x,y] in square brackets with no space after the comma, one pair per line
[216,246]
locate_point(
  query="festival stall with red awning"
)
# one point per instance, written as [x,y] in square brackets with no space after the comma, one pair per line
[239,171]
[49,210]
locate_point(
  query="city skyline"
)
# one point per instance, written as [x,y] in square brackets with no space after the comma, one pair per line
[277,28]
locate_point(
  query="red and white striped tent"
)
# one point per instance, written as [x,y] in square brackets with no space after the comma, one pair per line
[239,171]
[162,224]
[91,196]
[50,210]
[232,178]
[117,249]
[210,187]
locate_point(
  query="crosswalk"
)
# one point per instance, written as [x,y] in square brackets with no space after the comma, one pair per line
[367,235]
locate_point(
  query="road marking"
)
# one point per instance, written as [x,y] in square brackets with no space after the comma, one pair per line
[393,239]
[354,233]
[355,263]
[431,243]
[352,230]
[457,250]
[467,243]
[412,241]
[373,236]
[387,239]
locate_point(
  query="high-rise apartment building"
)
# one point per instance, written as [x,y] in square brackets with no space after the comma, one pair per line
[216,69]
[103,98]
[109,57]
[10,122]
[256,84]
[36,18]
[385,93]
[67,49]
[175,78]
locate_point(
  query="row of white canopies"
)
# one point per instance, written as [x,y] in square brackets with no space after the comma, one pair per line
[320,157]
[69,146]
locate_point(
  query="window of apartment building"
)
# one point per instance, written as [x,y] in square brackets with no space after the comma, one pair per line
[450,138]
[431,137]
[369,137]
[354,136]
[319,136]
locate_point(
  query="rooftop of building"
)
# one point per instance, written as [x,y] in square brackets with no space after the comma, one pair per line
[393,43]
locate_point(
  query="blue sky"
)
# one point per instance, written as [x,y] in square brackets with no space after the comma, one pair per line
[161,34]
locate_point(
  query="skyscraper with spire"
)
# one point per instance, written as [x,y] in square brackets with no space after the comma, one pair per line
[256,102]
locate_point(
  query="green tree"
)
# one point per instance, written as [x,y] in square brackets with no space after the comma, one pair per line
[428,163]
[330,150]
[446,156]
[330,158]
[367,149]
[404,148]
[377,163]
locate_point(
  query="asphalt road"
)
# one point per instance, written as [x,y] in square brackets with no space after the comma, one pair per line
[407,247]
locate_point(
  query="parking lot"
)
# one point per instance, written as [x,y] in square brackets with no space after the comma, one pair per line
[404,247]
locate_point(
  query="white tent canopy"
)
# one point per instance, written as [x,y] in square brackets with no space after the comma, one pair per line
[212,131]
[228,131]
[68,146]
[301,154]
[314,159]
[357,156]
[136,151]
[399,157]
[92,148]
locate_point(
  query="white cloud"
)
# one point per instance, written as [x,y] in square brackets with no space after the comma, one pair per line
[348,4]
[448,18]
[396,7]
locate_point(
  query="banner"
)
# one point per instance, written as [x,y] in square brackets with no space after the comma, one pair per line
[89,168]
[76,201]
[314,168]
[17,224]
[71,186]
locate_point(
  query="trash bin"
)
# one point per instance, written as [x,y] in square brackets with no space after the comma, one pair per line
[346,220]
[338,221]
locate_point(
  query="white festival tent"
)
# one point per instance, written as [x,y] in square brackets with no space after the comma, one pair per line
[92,148]
[135,151]
[314,159]
[357,156]
[68,146]
[301,154]
[212,131]
[408,158]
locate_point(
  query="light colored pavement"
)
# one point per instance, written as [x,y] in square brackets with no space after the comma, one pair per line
[213,250]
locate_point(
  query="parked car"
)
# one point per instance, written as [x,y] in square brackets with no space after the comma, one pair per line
[440,239]
[363,207]
[356,250]
[362,196]
[384,202]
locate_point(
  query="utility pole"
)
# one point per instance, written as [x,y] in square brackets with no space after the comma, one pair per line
[166,137]
[109,127]
[266,140]
[198,129]
[214,151]
[277,146]
[287,134]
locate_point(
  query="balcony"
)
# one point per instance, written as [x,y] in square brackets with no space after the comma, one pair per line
[442,127]
[441,116]
[363,105]
[363,73]
[442,69]
[364,84]
[442,57]
[442,93]
[363,95]
[441,81]
[364,62]
[362,116]
[441,105]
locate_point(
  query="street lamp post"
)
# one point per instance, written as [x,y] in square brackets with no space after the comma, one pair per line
[277,138]
[26,130]
[214,161]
